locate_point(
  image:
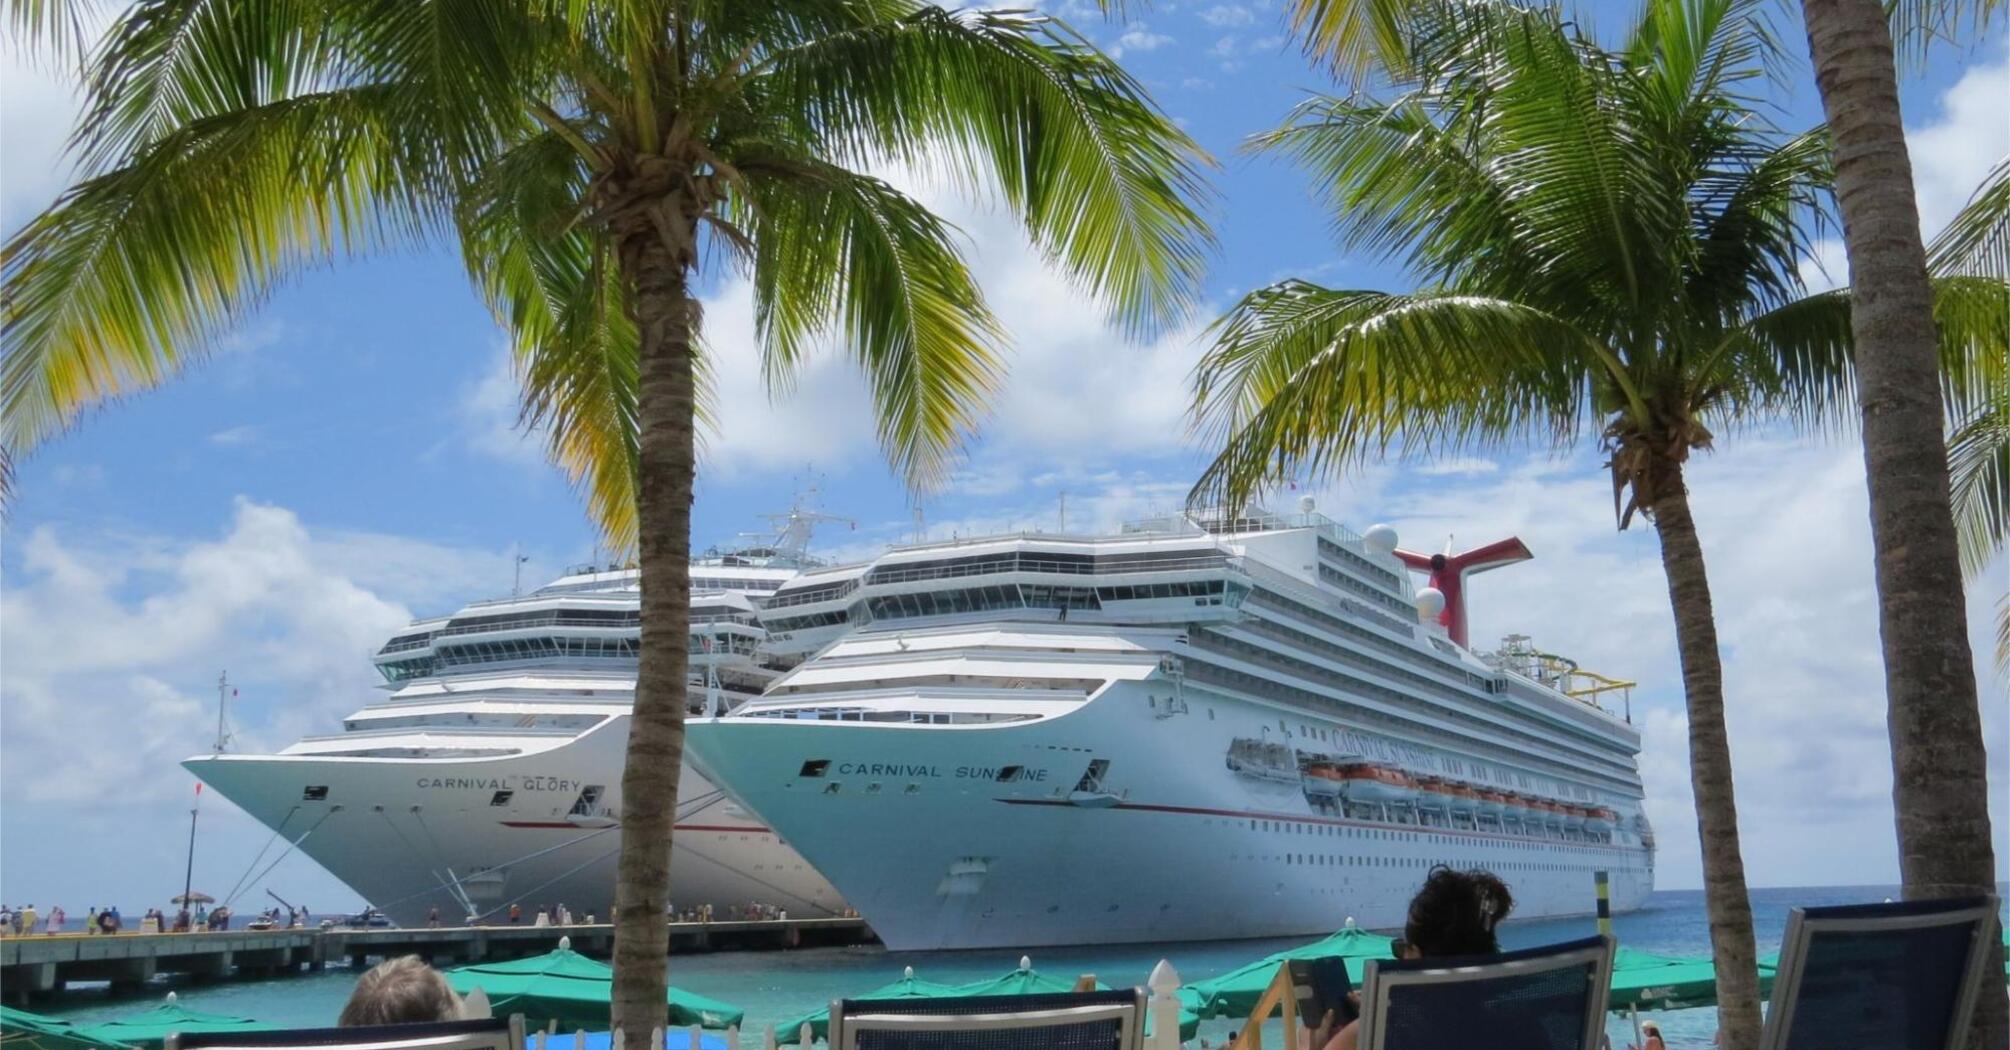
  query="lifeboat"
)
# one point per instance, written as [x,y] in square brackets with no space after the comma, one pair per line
[1574,817]
[1323,780]
[1522,808]
[1599,819]
[1491,803]
[1433,794]
[1552,814]
[1378,785]
[1464,799]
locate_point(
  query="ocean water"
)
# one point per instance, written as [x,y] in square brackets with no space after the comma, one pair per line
[774,986]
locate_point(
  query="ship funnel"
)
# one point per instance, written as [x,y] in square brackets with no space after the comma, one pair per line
[1448,574]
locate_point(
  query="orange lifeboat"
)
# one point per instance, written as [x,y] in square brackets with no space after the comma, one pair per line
[1464,798]
[1599,819]
[1492,803]
[1323,780]
[1366,782]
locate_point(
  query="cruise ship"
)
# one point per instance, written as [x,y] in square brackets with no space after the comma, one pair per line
[491,773]
[1196,728]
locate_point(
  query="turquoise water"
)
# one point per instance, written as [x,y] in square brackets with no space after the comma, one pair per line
[773,986]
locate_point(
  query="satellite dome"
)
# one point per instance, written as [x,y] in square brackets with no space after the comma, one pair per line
[1379,539]
[1430,602]
[1305,504]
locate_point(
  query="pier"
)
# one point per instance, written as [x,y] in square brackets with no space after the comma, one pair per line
[41,966]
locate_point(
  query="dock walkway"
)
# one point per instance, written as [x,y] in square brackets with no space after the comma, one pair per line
[41,965]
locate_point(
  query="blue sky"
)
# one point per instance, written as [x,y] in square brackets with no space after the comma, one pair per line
[349,461]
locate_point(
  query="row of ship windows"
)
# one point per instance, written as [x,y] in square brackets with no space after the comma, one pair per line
[1233,679]
[1334,831]
[1360,564]
[1337,860]
[1004,596]
[1336,653]
[999,564]
[1335,577]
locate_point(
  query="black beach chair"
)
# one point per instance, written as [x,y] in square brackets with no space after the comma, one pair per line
[497,1033]
[1902,974]
[1548,998]
[1113,1020]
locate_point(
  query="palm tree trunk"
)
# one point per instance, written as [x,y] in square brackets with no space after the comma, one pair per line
[1940,788]
[1730,908]
[667,318]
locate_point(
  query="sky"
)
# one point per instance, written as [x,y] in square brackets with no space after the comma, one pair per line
[350,461]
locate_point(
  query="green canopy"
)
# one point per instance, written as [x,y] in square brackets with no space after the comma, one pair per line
[21,1030]
[151,1028]
[574,990]
[1023,981]
[1235,993]
[1646,981]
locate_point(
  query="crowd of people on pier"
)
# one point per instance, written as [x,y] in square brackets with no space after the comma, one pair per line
[28,920]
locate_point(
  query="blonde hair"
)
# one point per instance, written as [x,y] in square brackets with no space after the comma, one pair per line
[401,991]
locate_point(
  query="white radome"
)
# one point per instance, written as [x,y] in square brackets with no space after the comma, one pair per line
[1379,539]
[1430,603]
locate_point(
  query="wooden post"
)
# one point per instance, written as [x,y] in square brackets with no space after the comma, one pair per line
[1164,1007]
[768,1039]
[1603,881]
[805,1037]
[732,1037]
[1281,996]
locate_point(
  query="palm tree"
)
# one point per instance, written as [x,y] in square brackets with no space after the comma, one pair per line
[1607,241]
[1940,785]
[595,161]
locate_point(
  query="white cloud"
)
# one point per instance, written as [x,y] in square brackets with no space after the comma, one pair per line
[37,108]
[1951,152]
[237,436]
[114,643]
[1227,15]
[1138,37]
[488,409]
[1197,84]
[1970,134]
[1225,52]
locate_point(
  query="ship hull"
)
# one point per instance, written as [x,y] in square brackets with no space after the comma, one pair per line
[915,827]
[413,835]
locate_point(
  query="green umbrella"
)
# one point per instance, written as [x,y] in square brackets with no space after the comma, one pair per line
[1235,993]
[21,1030]
[1023,981]
[151,1028]
[574,990]
[908,987]
[1646,981]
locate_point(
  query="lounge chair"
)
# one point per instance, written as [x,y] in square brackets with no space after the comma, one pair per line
[499,1033]
[1902,974]
[1548,998]
[1113,1020]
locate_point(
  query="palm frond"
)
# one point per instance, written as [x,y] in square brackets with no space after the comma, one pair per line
[1978,461]
[1106,184]
[1978,240]
[552,283]
[836,252]
[1355,38]
[1304,377]
[1797,360]
[133,273]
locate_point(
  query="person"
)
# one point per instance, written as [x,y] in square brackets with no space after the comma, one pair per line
[543,916]
[433,917]
[564,915]
[24,920]
[56,919]
[515,913]
[91,920]
[1650,1037]
[1454,913]
[183,920]
[403,990]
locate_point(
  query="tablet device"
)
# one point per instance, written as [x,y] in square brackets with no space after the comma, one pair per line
[1322,985]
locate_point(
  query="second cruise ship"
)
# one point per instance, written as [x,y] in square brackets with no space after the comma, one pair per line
[1246,726]
[491,774]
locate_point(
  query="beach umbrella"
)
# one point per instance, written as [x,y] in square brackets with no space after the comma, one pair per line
[150,1028]
[1235,993]
[1023,981]
[21,1030]
[1647,981]
[192,898]
[574,990]
[673,1039]
[908,987]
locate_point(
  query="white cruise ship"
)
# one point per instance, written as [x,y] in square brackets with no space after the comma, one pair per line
[1185,731]
[491,774]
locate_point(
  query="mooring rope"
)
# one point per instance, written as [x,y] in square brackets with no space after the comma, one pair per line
[239,884]
[284,853]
